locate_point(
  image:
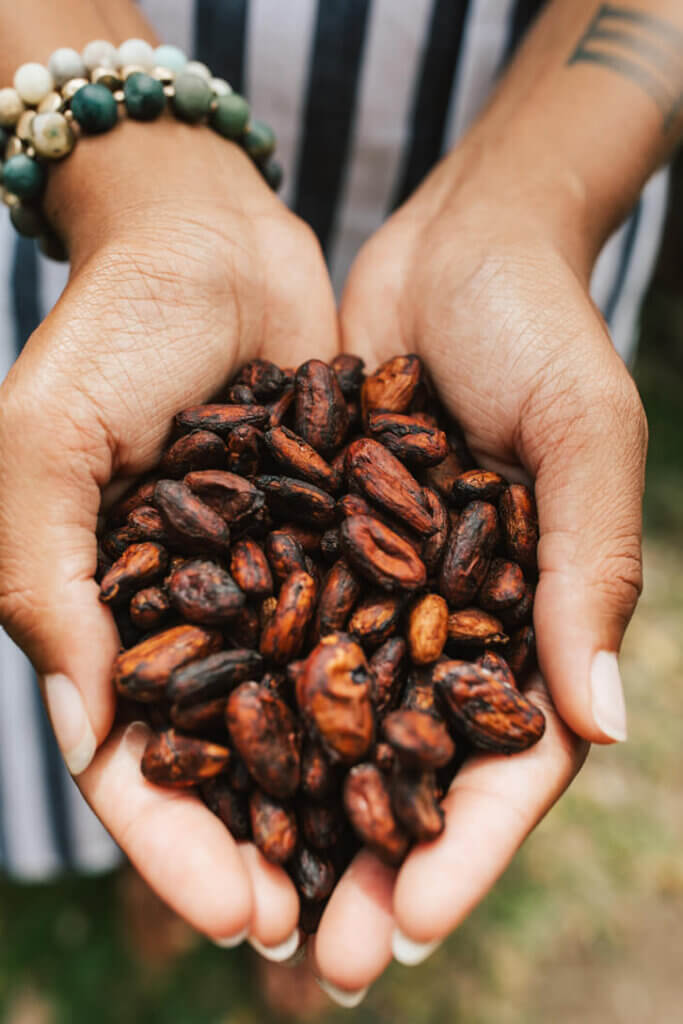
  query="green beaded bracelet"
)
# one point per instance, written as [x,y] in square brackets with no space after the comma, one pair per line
[43,114]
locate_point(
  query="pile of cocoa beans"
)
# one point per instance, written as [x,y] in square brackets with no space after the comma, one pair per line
[325,607]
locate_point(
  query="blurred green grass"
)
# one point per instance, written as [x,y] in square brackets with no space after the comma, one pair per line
[587,924]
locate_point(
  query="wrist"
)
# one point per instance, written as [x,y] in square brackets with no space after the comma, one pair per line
[141,177]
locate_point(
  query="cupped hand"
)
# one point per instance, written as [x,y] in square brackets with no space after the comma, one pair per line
[491,290]
[184,265]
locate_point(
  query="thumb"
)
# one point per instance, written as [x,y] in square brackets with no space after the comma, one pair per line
[52,461]
[587,453]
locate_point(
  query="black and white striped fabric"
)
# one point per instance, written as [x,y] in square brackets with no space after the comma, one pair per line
[364,97]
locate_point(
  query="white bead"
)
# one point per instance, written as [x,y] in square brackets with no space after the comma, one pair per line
[99,54]
[11,107]
[171,57]
[195,67]
[52,135]
[33,82]
[220,87]
[136,51]
[64,64]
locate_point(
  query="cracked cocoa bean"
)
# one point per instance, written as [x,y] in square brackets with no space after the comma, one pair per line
[392,387]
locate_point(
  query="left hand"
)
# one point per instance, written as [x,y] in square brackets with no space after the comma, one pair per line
[491,290]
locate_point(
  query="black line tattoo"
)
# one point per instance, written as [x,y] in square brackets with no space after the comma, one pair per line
[641,47]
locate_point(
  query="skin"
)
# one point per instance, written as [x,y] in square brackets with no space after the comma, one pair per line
[484,273]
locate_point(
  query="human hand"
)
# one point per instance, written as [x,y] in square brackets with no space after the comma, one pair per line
[178,276]
[490,288]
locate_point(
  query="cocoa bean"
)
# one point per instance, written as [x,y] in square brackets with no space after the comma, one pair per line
[393,386]
[492,715]
[142,672]
[477,485]
[503,587]
[264,378]
[435,545]
[387,669]
[380,555]
[313,875]
[213,676]
[348,370]
[243,448]
[250,569]
[147,524]
[379,476]
[234,499]
[442,477]
[321,416]
[519,522]
[283,636]
[322,825]
[139,565]
[305,502]
[318,776]
[264,733]
[474,627]
[230,806]
[415,804]
[409,438]
[468,554]
[520,653]
[148,608]
[427,628]
[204,593]
[337,597]
[375,619]
[273,827]
[497,665]
[189,520]
[300,459]
[285,554]
[204,719]
[368,804]
[221,419]
[202,449]
[171,759]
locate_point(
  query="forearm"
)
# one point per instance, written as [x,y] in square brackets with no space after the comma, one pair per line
[591,106]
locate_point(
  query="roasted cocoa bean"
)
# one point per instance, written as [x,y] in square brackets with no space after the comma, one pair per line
[139,565]
[519,521]
[285,554]
[333,695]
[147,524]
[288,497]
[142,672]
[353,505]
[468,554]
[520,653]
[321,416]
[213,676]
[472,627]
[368,804]
[265,735]
[375,619]
[387,669]
[243,448]
[380,555]
[477,485]
[385,758]
[148,608]
[393,386]
[139,494]
[419,739]
[171,759]
[300,459]
[221,419]
[492,715]
[313,875]
[189,521]
[244,629]
[379,476]
[348,370]
[497,665]
[519,614]
[318,776]
[442,477]
[503,587]
[322,825]
[415,804]
[202,449]
[230,806]
[337,597]
[329,544]
[283,636]
[264,378]
[273,827]
[202,592]
[434,546]
[231,496]
[250,569]
[308,538]
[427,628]
[278,409]
[207,719]
[409,438]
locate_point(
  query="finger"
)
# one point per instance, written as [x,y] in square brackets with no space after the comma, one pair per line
[353,943]
[273,931]
[179,847]
[493,804]
[587,455]
[48,598]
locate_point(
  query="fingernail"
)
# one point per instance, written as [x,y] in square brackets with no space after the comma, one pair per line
[283,951]
[70,722]
[342,996]
[410,953]
[609,710]
[231,941]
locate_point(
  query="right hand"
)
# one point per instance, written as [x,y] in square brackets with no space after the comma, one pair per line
[177,277]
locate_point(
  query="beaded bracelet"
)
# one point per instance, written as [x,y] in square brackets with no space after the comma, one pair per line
[43,114]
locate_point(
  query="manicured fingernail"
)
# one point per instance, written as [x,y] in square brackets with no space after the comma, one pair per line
[70,722]
[278,954]
[411,953]
[609,710]
[342,996]
[232,940]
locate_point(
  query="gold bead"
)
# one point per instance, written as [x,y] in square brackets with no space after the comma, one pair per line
[23,128]
[11,107]
[169,90]
[31,152]
[51,104]
[69,115]
[70,88]
[52,135]
[163,75]
[131,69]
[106,76]
[13,147]
[9,198]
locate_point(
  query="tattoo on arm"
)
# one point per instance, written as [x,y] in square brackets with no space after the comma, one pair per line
[641,47]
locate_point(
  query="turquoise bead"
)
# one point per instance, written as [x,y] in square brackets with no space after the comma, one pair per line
[273,173]
[230,116]
[192,98]
[171,57]
[144,96]
[23,176]
[94,108]
[259,140]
